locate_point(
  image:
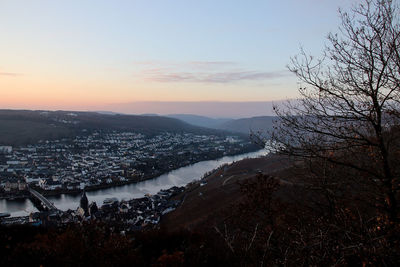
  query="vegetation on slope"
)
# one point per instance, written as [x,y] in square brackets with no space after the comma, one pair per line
[25,127]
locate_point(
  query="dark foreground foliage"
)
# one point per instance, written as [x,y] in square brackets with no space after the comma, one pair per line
[95,245]
[305,224]
[275,225]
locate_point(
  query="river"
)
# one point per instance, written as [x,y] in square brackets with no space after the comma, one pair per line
[178,177]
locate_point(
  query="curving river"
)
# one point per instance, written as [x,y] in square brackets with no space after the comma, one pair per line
[178,177]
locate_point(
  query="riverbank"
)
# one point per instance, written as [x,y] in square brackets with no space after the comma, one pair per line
[206,201]
[89,188]
[20,196]
[179,177]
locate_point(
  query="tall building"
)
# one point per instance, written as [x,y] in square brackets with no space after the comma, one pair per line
[84,203]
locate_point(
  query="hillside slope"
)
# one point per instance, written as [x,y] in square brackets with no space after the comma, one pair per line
[201,121]
[246,125]
[206,204]
[24,126]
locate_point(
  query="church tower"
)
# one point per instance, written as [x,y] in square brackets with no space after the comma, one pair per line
[84,203]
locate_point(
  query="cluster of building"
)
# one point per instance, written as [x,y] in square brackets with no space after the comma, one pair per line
[129,215]
[104,158]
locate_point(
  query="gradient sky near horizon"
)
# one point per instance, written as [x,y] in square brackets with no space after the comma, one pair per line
[86,55]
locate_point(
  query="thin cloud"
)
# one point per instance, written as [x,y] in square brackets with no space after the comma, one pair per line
[160,62]
[210,64]
[162,75]
[10,74]
[202,72]
[218,63]
[199,65]
[226,77]
[147,62]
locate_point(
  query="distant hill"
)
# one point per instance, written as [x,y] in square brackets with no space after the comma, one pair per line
[105,112]
[149,114]
[244,126]
[255,124]
[200,120]
[24,126]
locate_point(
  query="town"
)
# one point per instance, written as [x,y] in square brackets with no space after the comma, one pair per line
[100,159]
[127,215]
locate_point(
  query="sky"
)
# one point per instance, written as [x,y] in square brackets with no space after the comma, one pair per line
[98,54]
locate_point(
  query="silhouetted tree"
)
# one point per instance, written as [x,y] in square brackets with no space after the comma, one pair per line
[348,113]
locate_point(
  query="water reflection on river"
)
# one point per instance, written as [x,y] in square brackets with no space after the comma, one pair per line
[179,177]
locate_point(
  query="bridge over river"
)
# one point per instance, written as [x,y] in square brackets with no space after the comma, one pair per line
[42,199]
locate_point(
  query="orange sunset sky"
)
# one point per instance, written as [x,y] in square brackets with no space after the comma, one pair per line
[95,55]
